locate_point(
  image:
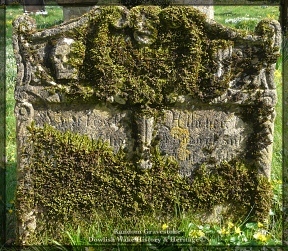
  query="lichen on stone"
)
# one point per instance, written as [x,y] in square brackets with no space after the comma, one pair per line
[182,134]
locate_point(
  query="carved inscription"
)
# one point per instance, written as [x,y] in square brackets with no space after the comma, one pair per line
[202,135]
[110,125]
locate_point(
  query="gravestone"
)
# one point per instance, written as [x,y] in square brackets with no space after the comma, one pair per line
[34,6]
[163,88]
[284,15]
[205,6]
[75,8]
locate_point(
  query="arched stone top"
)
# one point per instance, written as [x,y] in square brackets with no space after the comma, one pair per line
[170,52]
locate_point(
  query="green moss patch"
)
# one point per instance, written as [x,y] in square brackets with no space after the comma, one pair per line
[75,178]
[179,57]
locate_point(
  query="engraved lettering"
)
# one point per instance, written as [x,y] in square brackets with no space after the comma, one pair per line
[208,134]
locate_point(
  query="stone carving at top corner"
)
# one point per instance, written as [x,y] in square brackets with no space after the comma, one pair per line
[60,56]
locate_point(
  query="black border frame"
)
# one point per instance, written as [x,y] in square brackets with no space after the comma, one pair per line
[2,124]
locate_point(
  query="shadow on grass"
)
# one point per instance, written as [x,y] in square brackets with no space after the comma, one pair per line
[11,181]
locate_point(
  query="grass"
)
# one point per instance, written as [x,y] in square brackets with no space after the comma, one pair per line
[244,17]
[242,233]
[10,123]
[185,228]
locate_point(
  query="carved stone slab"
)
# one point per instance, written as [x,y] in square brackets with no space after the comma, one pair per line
[36,6]
[108,124]
[150,77]
[203,135]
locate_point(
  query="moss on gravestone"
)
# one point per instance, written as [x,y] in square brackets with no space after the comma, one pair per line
[75,178]
[179,58]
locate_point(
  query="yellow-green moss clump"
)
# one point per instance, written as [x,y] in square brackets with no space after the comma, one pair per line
[183,136]
[144,61]
[75,178]
[150,54]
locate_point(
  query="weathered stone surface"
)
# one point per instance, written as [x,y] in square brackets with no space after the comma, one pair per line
[203,135]
[36,6]
[108,123]
[205,6]
[76,8]
[71,12]
[149,78]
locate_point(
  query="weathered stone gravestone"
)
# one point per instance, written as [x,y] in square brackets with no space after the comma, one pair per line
[34,6]
[75,8]
[119,106]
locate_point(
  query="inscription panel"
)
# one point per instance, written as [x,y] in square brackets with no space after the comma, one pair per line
[202,135]
[108,124]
